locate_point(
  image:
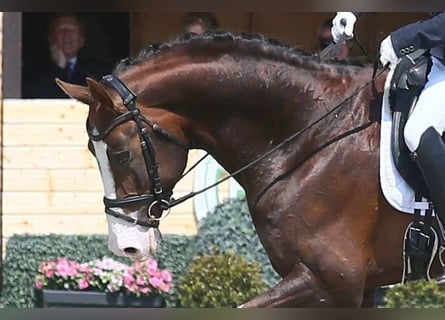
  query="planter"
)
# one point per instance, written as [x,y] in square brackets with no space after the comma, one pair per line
[93,299]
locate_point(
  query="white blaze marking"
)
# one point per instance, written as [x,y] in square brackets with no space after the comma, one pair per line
[122,234]
[100,149]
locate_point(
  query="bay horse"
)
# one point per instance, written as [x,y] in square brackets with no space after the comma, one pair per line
[314,199]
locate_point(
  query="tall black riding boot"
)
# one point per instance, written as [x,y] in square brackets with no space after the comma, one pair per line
[430,157]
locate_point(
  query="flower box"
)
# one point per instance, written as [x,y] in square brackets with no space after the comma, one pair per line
[101,283]
[94,299]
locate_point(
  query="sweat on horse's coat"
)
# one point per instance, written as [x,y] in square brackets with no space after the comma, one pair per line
[315,202]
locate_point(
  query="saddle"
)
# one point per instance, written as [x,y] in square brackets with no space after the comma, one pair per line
[422,238]
[407,82]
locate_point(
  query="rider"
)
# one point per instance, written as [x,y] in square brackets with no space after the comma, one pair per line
[424,128]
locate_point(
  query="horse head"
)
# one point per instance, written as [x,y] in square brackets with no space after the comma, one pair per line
[138,176]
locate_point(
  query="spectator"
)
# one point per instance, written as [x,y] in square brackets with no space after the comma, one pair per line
[199,22]
[66,37]
[342,52]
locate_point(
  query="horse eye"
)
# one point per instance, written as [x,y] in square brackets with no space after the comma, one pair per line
[122,157]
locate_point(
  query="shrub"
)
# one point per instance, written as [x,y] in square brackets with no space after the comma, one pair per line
[415,294]
[220,280]
[230,228]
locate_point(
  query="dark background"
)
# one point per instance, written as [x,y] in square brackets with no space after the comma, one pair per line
[107,38]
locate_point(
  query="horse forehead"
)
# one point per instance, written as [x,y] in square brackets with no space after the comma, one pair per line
[117,135]
[101,115]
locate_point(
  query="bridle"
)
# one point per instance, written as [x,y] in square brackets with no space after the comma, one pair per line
[164,200]
[157,196]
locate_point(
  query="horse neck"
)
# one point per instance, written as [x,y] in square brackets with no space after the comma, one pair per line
[237,110]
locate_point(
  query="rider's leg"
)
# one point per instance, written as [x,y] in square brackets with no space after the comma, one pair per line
[430,108]
[423,137]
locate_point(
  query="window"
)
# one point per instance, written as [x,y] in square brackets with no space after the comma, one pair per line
[107,40]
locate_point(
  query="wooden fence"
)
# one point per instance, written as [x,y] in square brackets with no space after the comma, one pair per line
[51,182]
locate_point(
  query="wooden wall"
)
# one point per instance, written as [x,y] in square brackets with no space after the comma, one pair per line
[51,182]
[295,28]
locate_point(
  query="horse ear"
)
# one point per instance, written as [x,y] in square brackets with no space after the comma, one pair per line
[98,92]
[74,91]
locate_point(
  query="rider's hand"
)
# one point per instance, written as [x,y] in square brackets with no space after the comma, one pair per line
[343,26]
[57,55]
[387,52]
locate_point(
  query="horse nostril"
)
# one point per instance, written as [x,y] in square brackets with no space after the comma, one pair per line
[130,251]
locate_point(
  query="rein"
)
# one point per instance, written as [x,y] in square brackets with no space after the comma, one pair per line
[164,201]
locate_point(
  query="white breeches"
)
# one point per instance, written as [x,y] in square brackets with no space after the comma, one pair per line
[430,109]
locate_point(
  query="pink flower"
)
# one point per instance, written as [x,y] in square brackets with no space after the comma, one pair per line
[83,268]
[132,287]
[155,282]
[106,274]
[83,284]
[152,267]
[128,272]
[128,280]
[44,265]
[140,281]
[166,276]
[145,290]
[39,284]
[165,287]
[49,273]
[65,268]
[47,269]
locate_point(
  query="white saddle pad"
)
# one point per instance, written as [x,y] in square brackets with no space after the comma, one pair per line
[395,189]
